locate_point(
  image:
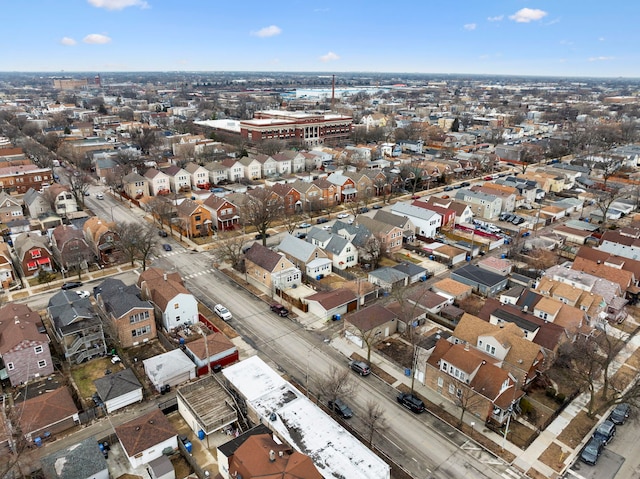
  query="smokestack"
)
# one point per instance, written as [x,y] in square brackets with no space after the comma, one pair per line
[333,93]
[272,455]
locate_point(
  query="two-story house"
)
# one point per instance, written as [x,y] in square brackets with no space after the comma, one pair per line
[218,172]
[193,219]
[268,166]
[235,169]
[179,178]
[346,187]
[290,197]
[7,273]
[305,256]
[174,304]
[270,271]
[24,344]
[224,214]
[10,208]
[33,252]
[61,199]
[135,186]
[199,176]
[36,204]
[426,221]
[103,240]
[132,318]
[70,248]
[252,168]
[158,181]
[363,184]
[283,164]
[482,204]
[390,236]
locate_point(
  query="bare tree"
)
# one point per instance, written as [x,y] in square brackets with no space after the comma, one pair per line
[530,154]
[369,337]
[374,420]
[270,147]
[146,139]
[337,383]
[162,209]
[261,209]
[229,248]
[604,198]
[79,183]
[371,251]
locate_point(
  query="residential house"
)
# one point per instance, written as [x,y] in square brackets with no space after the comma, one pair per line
[388,278]
[483,281]
[135,186]
[269,270]
[363,184]
[485,205]
[169,369]
[224,214]
[401,221]
[426,221]
[507,194]
[496,265]
[103,240]
[193,219]
[62,199]
[147,437]
[370,325]
[268,165]
[24,344]
[289,196]
[7,273]
[198,176]
[426,299]
[174,304]
[179,179]
[330,195]
[414,271]
[451,288]
[472,379]
[305,256]
[83,460]
[211,352]
[119,389]
[235,169]
[131,318]
[284,164]
[346,187]
[342,252]
[390,236]
[33,252]
[332,304]
[252,168]
[70,248]
[51,412]
[10,208]
[158,181]
[447,215]
[36,204]
[218,172]
[75,326]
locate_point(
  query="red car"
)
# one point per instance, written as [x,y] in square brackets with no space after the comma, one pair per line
[488,178]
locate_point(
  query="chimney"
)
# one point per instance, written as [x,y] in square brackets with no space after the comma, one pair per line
[164,275]
[272,456]
[466,346]
[16,320]
[280,453]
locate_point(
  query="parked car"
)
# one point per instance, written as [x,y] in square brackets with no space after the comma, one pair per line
[488,178]
[304,225]
[465,184]
[415,197]
[605,432]
[222,312]
[360,367]
[322,220]
[457,187]
[591,452]
[71,285]
[87,193]
[448,188]
[301,235]
[83,294]
[163,233]
[376,207]
[341,409]
[166,247]
[279,310]
[342,215]
[364,209]
[100,196]
[411,402]
[259,236]
[620,414]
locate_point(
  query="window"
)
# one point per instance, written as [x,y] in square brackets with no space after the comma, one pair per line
[38,349]
[452,389]
[440,382]
[36,253]
[42,364]
[459,393]
[10,366]
[176,306]
[141,331]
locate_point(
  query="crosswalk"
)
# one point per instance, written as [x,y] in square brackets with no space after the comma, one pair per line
[199,273]
[511,474]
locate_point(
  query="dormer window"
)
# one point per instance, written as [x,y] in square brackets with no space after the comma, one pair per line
[36,253]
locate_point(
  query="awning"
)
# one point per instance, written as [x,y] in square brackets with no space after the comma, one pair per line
[43,261]
[349,191]
[32,265]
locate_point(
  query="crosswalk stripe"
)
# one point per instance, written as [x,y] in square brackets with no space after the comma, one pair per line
[510,474]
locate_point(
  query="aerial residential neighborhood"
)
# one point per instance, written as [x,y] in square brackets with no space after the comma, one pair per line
[237,274]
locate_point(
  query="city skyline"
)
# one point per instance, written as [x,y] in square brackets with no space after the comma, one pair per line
[505,37]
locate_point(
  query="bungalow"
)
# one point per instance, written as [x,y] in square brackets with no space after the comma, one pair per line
[269,270]
[332,304]
[483,281]
[147,437]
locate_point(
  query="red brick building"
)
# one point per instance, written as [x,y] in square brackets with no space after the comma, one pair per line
[22,177]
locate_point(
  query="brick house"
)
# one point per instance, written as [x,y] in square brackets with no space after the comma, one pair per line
[103,240]
[224,214]
[346,187]
[7,273]
[132,318]
[290,198]
[390,236]
[193,219]
[269,270]
[20,178]
[70,248]
[24,344]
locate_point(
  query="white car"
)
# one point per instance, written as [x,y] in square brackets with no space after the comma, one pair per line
[304,225]
[83,294]
[343,215]
[223,312]
[100,196]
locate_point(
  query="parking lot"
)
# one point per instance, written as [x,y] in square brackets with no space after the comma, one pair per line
[607,467]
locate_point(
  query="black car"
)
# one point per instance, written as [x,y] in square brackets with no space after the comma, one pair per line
[341,409]
[71,285]
[166,247]
[376,207]
[605,432]
[321,221]
[162,233]
[591,452]
[301,235]
[279,310]
[360,367]
[448,188]
[465,184]
[259,236]
[620,414]
[411,402]
[362,210]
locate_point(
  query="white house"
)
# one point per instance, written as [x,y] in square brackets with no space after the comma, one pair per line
[147,437]
[217,172]
[199,175]
[158,182]
[426,221]
[179,179]
[252,168]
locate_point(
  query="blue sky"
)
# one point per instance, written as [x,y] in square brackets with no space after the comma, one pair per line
[553,37]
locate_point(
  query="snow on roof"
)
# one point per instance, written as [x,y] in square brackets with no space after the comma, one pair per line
[334,451]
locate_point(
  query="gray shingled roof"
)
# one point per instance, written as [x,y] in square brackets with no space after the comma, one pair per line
[479,275]
[119,298]
[117,384]
[67,308]
[410,269]
[78,461]
[296,248]
[336,245]
[389,275]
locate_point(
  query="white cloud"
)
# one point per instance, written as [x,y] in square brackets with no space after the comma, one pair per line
[470,26]
[329,57]
[526,15]
[270,31]
[118,4]
[601,59]
[497,18]
[601,39]
[67,41]
[96,39]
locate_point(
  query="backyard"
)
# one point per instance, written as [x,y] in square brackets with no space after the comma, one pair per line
[84,374]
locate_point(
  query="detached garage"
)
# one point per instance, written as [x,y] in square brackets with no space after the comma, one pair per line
[169,369]
[119,389]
